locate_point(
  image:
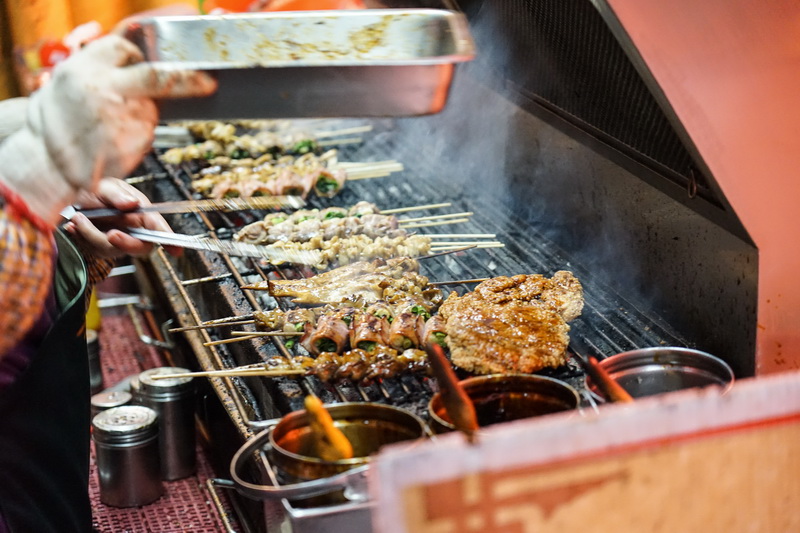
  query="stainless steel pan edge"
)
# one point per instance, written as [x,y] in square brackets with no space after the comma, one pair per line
[334,38]
[368,63]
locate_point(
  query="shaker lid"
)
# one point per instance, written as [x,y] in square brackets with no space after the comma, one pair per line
[125,419]
[146,378]
[108,399]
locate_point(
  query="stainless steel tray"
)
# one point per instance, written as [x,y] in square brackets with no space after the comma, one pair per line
[359,63]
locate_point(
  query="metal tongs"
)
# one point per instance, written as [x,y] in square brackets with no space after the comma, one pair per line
[273,254]
[194,206]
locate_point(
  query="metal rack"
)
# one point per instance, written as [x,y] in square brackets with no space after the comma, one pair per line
[202,286]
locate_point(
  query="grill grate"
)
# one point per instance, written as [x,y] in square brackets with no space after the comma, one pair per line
[608,325]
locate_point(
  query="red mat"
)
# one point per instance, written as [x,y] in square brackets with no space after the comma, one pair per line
[186,504]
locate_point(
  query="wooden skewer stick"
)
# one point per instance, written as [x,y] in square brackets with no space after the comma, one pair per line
[457,282]
[228,321]
[414,208]
[354,166]
[357,164]
[206,279]
[459,235]
[335,142]
[403,221]
[462,243]
[233,372]
[429,256]
[492,244]
[440,223]
[231,340]
[267,333]
[359,173]
[489,245]
[367,172]
[368,176]
[343,131]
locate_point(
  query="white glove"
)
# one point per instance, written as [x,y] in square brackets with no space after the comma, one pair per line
[95,118]
[12,116]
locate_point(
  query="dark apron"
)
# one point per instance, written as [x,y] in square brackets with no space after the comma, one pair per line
[44,419]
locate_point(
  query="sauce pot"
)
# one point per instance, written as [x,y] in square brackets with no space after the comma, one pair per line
[657,370]
[300,474]
[506,397]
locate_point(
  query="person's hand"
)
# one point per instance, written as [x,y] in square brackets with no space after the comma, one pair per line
[95,118]
[101,238]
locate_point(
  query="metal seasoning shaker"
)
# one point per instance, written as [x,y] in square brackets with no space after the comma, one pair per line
[174,401]
[126,448]
[108,399]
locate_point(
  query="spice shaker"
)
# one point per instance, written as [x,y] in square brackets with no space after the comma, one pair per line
[108,399]
[126,448]
[174,401]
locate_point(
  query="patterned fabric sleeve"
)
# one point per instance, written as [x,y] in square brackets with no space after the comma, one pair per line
[26,267]
[98,271]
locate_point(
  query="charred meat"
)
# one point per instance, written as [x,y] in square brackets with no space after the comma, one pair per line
[512,324]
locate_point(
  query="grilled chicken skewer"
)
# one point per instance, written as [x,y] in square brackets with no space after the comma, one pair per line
[326,224]
[221,140]
[354,365]
[394,280]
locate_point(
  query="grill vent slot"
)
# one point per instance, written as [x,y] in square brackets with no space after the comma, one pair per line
[562,56]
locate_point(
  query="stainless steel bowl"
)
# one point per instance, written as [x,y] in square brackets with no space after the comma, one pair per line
[368,427]
[505,397]
[657,370]
[301,474]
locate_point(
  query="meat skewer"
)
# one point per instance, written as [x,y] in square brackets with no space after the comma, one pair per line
[325,224]
[277,316]
[393,280]
[336,330]
[220,139]
[285,175]
[355,365]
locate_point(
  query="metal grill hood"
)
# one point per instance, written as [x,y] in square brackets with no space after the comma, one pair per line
[727,74]
[696,101]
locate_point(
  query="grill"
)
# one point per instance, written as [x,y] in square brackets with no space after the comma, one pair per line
[203,286]
[569,167]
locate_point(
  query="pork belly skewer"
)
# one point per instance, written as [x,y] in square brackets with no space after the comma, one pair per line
[369,331]
[286,175]
[374,327]
[407,327]
[332,332]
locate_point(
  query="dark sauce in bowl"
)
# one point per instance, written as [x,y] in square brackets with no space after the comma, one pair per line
[507,406]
